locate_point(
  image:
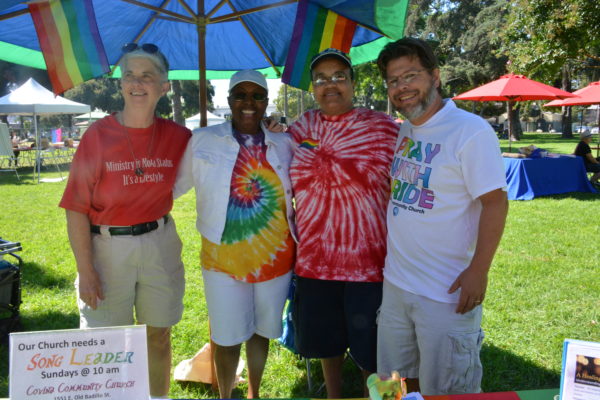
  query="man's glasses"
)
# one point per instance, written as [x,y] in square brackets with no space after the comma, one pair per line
[240,96]
[149,48]
[338,77]
[407,78]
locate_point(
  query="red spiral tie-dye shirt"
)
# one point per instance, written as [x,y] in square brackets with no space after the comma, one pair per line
[340,175]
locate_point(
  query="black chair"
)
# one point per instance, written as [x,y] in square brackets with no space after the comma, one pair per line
[10,288]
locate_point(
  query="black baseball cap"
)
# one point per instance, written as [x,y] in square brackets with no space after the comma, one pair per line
[331,53]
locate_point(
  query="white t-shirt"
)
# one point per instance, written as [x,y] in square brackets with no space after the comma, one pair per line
[439,170]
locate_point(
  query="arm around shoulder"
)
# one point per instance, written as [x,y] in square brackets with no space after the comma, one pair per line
[184,180]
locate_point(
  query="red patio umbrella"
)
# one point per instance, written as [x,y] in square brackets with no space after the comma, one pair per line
[511,88]
[587,96]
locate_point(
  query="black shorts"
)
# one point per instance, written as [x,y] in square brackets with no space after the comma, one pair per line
[589,167]
[332,316]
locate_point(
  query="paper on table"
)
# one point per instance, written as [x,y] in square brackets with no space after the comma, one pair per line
[580,371]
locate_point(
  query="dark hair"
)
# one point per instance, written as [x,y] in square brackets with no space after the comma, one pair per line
[407,47]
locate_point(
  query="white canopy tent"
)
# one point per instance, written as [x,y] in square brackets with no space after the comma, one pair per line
[96,114]
[194,121]
[31,98]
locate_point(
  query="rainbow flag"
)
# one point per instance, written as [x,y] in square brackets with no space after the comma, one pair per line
[70,41]
[309,144]
[316,29]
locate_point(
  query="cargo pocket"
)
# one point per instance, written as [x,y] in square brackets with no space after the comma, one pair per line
[463,369]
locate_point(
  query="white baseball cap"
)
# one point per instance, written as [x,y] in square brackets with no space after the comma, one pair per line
[248,75]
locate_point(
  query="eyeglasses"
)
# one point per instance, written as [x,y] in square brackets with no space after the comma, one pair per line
[241,96]
[338,77]
[149,48]
[394,82]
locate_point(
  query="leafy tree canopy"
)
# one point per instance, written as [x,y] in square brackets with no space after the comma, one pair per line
[542,36]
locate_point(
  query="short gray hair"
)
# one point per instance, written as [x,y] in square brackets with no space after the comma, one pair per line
[158,59]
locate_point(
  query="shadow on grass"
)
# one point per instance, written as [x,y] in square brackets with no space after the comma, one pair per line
[504,371]
[574,195]
[352,380]
[28,177]
[50,320]
[36,276]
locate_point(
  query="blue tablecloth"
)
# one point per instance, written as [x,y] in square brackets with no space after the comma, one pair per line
[532,177]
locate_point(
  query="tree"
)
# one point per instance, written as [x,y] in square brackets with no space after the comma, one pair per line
[105,94]
[369,90]
[553,41]
[464,36]
[176,99]
[101,93]
[294,101]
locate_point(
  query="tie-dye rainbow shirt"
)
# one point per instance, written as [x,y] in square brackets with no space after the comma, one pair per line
[256,245]
[340,175]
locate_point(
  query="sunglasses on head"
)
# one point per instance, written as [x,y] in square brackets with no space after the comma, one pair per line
[149,48]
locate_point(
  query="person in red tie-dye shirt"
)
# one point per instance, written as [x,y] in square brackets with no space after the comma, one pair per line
[339,175]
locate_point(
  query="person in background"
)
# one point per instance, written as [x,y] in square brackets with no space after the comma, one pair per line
[445,218]
[15,141]
[117,201]
[584,150]
[339,175]
[239,170]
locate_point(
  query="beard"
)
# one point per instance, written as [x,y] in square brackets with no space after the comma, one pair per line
[414,112]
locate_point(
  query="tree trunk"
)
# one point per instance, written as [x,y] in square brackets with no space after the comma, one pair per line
[177,109]
[567,117]
[518,131]
[514,131]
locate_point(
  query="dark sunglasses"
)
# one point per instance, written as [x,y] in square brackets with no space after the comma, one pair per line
[149,48]
[243,96]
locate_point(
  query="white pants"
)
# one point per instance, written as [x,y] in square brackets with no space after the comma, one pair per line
[238,310]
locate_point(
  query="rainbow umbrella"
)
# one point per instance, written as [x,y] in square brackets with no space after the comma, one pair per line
[207,38]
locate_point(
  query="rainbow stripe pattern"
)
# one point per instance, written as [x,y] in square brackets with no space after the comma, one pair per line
[70,41]
[309,144]
[316,29]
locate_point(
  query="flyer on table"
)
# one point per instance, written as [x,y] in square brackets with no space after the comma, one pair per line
[581,371]
[79,364]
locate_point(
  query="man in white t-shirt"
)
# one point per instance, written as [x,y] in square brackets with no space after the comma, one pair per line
[445,218]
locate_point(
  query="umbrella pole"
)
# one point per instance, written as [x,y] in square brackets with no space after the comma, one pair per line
[598,125]
[201,28]
[285,101]
[38,153]
[510,124]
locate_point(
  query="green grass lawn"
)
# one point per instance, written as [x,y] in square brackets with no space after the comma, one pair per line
[543,286]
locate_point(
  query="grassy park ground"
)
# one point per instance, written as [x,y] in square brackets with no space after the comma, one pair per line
[543,286]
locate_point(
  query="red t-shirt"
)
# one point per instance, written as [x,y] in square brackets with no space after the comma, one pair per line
[340,178]
[103,183]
